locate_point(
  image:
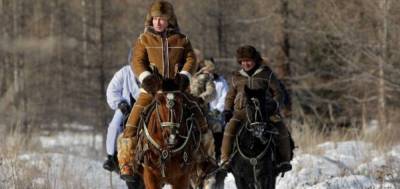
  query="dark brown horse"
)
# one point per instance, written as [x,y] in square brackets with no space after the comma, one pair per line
[169,139]
[254,158]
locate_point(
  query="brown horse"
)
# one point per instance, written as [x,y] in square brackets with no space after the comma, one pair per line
[170,139]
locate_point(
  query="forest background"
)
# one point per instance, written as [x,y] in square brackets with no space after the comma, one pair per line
[338,58]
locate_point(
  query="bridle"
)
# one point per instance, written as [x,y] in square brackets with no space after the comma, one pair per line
[171,123]
[257,126]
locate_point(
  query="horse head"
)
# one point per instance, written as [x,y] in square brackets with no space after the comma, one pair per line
[169,110]
[253,167]
[168,136]
[258,109]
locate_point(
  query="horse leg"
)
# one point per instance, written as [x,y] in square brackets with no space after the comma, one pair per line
[181,182]
[209,183]
[137,184]
[220,179]
[150,180]
[269,182]
[240,182]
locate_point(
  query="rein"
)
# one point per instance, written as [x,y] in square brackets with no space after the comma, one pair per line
[165,153]
[158,147]
[254,160]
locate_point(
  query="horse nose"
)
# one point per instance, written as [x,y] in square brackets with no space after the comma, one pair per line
[171,139]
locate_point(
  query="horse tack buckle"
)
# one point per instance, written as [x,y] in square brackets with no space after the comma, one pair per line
[164,154]
[253,161]
[275,118]
[185,157]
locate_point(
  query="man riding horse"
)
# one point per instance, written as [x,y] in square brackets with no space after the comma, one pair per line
[255,75]
[162,47]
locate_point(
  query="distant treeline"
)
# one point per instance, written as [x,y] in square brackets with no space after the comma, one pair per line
[339,58]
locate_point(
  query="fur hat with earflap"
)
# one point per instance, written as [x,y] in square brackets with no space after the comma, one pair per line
[209,66]
[248,52]
[163,9]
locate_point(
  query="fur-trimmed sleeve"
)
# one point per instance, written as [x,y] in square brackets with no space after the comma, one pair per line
[190,64]
[231,95]
[140,61]
[275,89]
[210,93]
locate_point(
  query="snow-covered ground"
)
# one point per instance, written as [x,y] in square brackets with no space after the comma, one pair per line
[350,165]
[67,162]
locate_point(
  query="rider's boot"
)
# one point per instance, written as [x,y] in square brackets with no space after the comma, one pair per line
[227,143]
[126,154]
[206,139]
[127,143]
[284,149]
[208,149]
[111,163]
[207,144]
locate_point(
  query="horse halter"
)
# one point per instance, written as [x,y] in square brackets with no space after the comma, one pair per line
[258,116]
[171,122]
[257,125]
[171,113]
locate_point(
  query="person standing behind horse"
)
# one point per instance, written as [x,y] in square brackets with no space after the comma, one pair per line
[216,104]
[122,91]
[255,75]
[161,47]
[202,85]
[215,119]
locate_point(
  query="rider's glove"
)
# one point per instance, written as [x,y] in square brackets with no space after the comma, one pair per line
[124,107]
[227,115]
[151,83]
[182,81]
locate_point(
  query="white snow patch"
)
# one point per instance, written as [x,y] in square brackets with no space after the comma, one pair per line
[349,164]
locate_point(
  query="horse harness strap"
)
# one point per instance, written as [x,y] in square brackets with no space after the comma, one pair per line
[158,147]
[166,153]
[253,160]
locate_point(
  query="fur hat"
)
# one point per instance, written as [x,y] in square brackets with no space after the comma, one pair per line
[163,9]
[209,66]
[248,52]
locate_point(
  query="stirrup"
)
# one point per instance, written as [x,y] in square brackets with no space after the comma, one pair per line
[126,173]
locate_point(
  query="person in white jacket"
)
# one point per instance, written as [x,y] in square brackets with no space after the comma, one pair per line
[216,121]
[122,92]
[221,86]
[217,104]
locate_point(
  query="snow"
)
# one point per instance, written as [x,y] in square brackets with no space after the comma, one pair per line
[67,162]
[348,164]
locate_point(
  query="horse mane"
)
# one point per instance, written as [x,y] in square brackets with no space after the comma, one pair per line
[169,85]
[254,93]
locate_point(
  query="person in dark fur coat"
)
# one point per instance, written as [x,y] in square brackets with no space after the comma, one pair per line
[255,75]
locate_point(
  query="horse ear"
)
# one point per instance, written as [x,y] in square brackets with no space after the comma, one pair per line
[181,81]
[155,71]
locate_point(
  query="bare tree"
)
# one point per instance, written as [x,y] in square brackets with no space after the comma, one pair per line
[383,59]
